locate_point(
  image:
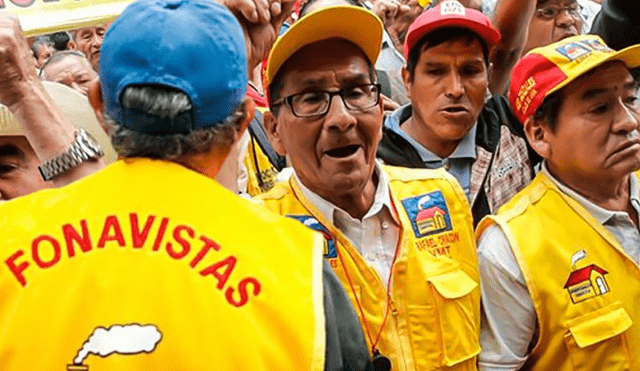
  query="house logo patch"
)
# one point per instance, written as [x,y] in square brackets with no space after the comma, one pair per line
[587,283]
[311,222]
[429,214]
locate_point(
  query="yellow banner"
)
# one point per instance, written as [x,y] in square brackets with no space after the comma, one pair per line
[46,16]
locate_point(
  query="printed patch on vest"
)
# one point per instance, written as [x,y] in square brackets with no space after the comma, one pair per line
[429,214]
[311,222]
[586,283]
[127,340]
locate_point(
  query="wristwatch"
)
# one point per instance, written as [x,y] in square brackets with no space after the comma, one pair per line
[84,148]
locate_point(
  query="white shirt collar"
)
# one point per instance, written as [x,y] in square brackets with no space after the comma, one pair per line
[382,198]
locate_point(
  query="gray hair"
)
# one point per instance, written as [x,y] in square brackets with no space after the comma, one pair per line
[40,42]
[164,103]
[58,57]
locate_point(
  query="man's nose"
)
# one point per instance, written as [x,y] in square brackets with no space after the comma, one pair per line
[339,116]
[455,88]
[626,119]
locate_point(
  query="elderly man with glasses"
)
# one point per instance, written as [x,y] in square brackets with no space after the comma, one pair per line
[528,24]
[400,240]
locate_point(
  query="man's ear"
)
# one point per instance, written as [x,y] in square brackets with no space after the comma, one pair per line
[249,108]
[538,132]
[96,102]
[406,81]
[71,45]
[273,129]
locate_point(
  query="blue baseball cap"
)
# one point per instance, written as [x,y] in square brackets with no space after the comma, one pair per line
[195,46]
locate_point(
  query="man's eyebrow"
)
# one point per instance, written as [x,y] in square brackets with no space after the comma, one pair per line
[357,78]
[593,93]
[311,82]
[8,150]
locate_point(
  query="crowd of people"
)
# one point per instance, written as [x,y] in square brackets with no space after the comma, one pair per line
[323,185]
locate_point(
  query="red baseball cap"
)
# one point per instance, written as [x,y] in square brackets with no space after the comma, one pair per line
[550,68]
[451,13]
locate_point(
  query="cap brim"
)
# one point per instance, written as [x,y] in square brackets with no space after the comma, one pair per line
[9,124]
[351,23]
[630,56]
[76,108]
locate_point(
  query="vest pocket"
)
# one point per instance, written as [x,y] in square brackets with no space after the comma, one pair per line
[597,340]
[423,338]
[456,317]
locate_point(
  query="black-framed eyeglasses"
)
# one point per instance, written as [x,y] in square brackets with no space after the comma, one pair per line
[318,102]
[551,11]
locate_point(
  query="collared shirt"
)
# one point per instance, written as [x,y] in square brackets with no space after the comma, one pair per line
[509,321]
[376,235]
[589,9]
[457,164]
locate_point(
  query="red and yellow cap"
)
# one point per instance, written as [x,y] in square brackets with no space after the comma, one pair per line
[450,13]
[548,69]
[357,25]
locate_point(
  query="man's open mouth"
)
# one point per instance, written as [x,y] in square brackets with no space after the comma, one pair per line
[455,109]
[341,152]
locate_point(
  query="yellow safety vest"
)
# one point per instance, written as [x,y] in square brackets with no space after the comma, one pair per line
[147,265]
[434,314]
[261,172]
[584,287]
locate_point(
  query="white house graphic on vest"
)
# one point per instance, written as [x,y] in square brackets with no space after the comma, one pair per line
[586,283]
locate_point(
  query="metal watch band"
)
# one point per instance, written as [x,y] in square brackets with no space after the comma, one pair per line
[84,148]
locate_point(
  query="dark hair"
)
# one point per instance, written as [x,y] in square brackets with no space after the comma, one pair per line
[276,84]
[60,40]
[440,36]
[168,103]
[549,110]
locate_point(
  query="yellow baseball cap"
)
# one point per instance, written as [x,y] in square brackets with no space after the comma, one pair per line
[550,68]
[75,107]
[357,25]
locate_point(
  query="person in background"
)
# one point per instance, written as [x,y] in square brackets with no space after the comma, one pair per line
[528,24]
[451,122]
[62,41]
[88,40]
[70,68]
[560,261]
[42,49]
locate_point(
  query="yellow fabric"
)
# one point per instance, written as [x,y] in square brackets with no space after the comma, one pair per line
[364,29]
[154,244]
[583,286]
[258,167]
[48,16]
[434,316]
